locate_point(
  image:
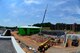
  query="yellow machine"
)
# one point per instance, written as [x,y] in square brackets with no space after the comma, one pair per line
[45,45]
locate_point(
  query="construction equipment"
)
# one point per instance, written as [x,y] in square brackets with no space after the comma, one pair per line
[49,43]
[75,43]
[72,40]
[45,45]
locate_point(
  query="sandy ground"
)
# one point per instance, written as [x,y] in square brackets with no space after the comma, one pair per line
[64,50]
[26,40]
[29,42]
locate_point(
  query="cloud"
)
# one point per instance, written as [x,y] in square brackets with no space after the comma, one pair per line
[57,3]
[71,10]
[78,10]
[32,1]
[13,5]
[71,19]
[6,20]
[15,10]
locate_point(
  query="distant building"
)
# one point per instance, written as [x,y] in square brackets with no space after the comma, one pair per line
[28,30]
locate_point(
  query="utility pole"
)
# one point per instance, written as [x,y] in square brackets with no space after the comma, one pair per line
[43,19]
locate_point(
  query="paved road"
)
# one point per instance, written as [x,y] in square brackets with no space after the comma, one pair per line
[6,46]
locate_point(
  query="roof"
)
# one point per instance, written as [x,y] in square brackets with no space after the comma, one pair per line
[28,27]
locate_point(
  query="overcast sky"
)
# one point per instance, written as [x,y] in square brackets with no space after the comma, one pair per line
[28,12]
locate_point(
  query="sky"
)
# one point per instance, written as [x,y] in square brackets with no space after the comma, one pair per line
[29,12]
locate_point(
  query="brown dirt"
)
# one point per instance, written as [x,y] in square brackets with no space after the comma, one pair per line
[34,42]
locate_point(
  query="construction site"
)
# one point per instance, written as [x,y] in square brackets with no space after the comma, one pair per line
[39,26]
[56,41]
[33,39]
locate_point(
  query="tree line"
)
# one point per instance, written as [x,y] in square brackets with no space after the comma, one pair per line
[60,26]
